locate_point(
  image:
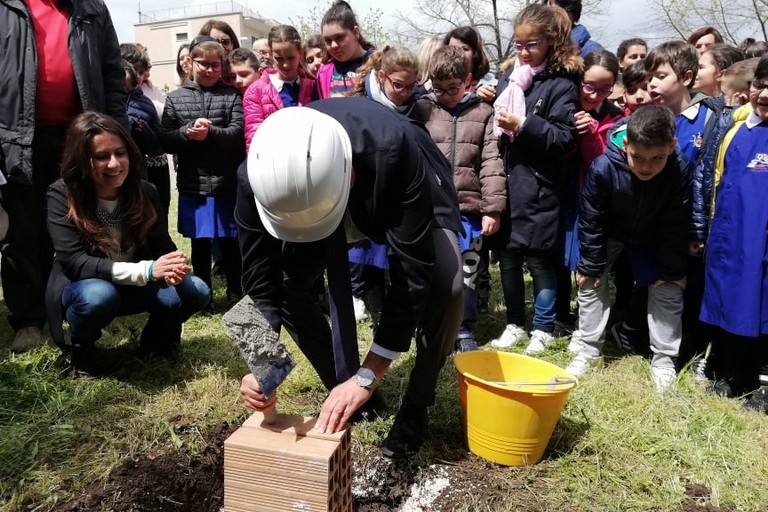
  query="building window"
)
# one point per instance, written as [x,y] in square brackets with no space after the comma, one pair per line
[182,37]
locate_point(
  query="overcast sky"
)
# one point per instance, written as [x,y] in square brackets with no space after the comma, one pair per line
[622,18]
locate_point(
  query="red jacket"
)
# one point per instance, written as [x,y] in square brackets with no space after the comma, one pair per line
[262,99]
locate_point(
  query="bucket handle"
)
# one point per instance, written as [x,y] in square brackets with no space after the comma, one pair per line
[556,381]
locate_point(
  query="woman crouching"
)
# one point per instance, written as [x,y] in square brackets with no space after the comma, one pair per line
[114,255]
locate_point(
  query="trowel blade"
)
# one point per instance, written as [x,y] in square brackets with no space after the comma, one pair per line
[259,344]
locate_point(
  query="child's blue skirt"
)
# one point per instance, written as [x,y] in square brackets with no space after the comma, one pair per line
[207,216]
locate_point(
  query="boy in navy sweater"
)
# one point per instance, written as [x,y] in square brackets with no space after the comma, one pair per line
[637,196]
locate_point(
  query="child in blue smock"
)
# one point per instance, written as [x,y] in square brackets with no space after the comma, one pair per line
[735,276]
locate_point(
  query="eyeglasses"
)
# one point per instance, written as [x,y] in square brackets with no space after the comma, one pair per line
[225,41]
[213,66]
[449,91]
[400,86]
[529,46]
[600,91]
[758,86]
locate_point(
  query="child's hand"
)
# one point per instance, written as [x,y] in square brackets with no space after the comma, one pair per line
[680,282]
[695,248]
[199,130]
[490,223]
[584,122]
[510,121]
[486,92]
[581,280]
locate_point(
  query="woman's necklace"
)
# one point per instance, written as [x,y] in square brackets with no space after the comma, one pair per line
[111,219]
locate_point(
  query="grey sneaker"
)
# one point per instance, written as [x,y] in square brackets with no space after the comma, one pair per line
[540,340]
[511,335]
[27,338]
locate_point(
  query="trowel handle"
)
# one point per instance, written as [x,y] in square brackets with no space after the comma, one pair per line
[270,415]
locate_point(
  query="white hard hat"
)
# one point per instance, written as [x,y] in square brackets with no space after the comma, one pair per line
[300,170]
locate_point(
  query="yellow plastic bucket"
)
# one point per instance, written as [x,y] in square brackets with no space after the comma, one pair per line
[511,404]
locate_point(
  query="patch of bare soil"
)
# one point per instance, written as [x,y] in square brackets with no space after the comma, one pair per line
[698,499]
[180,481]
[177,481]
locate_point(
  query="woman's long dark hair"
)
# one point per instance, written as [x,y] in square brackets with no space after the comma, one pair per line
[138,213]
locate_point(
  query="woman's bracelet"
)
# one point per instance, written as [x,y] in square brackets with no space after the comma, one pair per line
[149,272]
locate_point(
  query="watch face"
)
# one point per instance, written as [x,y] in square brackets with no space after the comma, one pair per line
[365,378]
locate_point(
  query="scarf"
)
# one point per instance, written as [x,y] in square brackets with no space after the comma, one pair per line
[512,98]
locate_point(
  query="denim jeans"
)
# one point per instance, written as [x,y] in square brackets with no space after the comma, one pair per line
[542,270]
[92,304]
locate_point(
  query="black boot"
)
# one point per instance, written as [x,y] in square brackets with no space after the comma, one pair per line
[161,337]
[408,432]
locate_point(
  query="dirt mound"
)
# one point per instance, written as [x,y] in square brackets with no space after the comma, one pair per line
[177,481]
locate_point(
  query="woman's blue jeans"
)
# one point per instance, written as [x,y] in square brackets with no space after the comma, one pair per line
[542,270]
[92,304]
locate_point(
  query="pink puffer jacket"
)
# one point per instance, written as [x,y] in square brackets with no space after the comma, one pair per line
[262,99]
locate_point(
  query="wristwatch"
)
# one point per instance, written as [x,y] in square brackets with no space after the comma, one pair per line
[366,378]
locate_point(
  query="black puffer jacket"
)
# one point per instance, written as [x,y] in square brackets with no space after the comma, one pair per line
[616,204]
[96,62]
[535,164]
[206,167]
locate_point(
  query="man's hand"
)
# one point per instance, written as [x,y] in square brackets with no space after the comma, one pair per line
[340,405]
[253,398]
[582,280]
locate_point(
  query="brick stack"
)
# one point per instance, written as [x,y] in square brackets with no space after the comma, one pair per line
[286,466]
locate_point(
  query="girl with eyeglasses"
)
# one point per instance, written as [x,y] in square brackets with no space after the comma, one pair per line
[389,77]
[596,115]
[544,135]
[203,124]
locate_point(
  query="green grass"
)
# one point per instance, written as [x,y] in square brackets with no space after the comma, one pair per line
[618,447]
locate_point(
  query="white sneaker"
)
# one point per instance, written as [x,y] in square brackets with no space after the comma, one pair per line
[27,338]
[580,364]
[540,340]
[360,312]
[512,334]
[575,345]
[663,377]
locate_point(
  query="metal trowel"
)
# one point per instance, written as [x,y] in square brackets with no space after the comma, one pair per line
[260,345]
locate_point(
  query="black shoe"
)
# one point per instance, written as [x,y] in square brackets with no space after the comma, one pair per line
[758,401]
[218,270]
[408,432]
[370,409]
[209,310]
[722,388]
[160,338]
[233,298]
